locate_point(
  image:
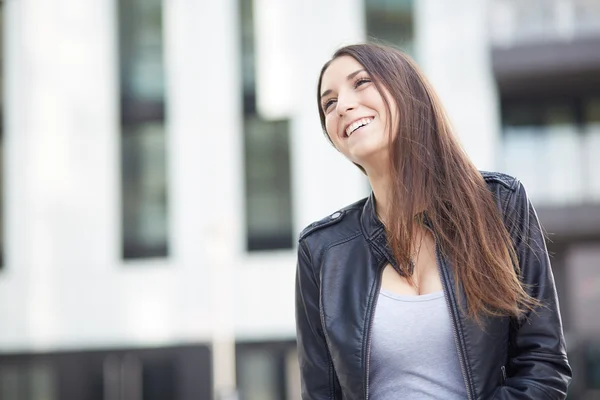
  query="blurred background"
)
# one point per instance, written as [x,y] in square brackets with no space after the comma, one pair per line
[159,159]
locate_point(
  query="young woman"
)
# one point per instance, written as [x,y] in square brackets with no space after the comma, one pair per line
[438,285]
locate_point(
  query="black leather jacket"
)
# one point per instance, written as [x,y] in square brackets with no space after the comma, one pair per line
[340,261]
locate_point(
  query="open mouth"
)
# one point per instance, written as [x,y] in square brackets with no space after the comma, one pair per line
[356,125]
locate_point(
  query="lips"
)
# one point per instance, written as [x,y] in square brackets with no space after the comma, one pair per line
[357,124]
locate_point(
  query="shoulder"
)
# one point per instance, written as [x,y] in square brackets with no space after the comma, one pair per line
[337,225]
[505,188]
[495,179]
[511,197]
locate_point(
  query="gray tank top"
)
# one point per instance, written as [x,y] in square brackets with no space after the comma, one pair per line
[413,352]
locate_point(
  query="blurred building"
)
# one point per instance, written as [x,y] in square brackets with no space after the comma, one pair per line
[160,157]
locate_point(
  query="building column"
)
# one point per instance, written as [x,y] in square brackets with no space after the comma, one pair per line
[323,180]
[61,164]
[205,170]
[459,68]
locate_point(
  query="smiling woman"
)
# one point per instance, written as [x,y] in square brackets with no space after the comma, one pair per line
[347,86]
[436,286]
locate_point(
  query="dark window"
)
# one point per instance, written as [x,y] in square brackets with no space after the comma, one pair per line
[177,373]
[268,202]
[390,22]
[26,381]
[593,366]
[143,150]
[267,371]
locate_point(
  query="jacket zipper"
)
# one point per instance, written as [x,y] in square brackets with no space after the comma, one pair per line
[459,349]
[372,314]
[327,343]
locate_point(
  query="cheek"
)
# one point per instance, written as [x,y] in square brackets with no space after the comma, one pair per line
[330,126]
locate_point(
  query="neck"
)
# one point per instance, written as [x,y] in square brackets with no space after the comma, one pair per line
[381,184]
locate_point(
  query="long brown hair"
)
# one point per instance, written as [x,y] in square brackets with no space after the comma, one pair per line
[430,171]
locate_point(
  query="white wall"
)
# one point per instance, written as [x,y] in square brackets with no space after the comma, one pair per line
[61,151]
[452,43]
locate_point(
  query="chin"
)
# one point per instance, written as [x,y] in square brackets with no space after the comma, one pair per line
[364,151]
[364,156]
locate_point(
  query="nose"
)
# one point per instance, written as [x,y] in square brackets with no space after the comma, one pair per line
[346,102]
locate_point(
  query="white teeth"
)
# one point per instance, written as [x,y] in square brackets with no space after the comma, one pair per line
[355,125]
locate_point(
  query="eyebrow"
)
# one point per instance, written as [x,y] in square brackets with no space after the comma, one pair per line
[352,75]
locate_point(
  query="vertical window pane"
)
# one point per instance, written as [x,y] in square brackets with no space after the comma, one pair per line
[268,199]
[258,375]
[267,158]
[593,366]
[144,194]
[292,369]
[391,21]
[42,383]
[522,136]
[159,379]
[268,371]
[36,381]
[12,384]
[562,154]
[592,148]
[592,112]
[552,146]
[143,153]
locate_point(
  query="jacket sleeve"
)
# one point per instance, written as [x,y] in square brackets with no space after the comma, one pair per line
[318,379]
[537,365]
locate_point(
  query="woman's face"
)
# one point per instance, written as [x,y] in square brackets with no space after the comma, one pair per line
[356,118]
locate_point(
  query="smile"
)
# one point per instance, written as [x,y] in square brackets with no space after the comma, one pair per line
[353,127]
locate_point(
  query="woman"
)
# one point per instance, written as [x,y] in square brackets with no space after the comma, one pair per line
[437,286]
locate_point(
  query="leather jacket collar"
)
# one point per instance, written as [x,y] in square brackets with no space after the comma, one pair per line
[374,230]
[371,225]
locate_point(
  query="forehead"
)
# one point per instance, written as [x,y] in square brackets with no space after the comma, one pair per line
[338,71]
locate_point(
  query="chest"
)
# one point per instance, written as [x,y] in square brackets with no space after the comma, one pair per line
[425,279]
[351,277]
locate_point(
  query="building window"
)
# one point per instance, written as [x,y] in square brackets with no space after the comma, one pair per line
[35,381]
[143,150]
[268,202]
[173,373]
[593,366]
[267,371]
[390,22]
[591,140]
[552,146]
[515,22]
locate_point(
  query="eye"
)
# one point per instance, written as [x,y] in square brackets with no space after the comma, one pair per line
[328,104]
[361,81]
